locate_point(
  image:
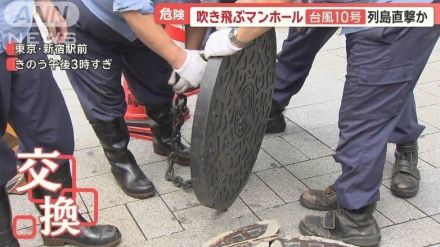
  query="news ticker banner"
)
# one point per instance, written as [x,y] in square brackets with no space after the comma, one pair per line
[299,15]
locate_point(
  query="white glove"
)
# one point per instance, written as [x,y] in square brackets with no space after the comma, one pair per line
[181,86]
[219,44]
[192,69]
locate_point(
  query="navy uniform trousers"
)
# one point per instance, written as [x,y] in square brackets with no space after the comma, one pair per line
[293,66]
[32,102]
[99,91]
[384,65]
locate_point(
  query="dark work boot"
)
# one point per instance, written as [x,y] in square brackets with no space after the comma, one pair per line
[162,131]
[322,200]
[276,122]
[7,238]
[95,236]
[357,227]
[114,139]
[406,175]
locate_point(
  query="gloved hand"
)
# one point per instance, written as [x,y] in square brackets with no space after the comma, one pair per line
[219,44]
[181,86]
[191,72]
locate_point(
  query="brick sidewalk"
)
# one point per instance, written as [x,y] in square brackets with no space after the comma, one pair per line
[288,164]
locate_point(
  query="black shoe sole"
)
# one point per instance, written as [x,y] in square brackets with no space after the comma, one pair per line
[141,196]
[358,241]
[137,195]
[62,242]
[404,193]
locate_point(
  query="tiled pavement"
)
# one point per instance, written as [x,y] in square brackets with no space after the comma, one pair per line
[288,163]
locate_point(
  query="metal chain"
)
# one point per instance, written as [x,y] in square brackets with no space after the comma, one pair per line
[178,120]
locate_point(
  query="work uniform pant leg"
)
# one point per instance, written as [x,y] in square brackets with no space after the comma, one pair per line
[377,93]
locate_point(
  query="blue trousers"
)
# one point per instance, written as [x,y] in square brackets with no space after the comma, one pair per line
[378,105]
[100,91]
[32,103]
[295,61]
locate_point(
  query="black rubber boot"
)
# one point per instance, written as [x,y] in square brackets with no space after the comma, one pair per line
[406,175]
[7,238]
[357,227]
[162,131]
[95,236]
[114,139]
[322,200]
[276,122]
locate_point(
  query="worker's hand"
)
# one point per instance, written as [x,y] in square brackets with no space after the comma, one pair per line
[219,44]
[191,72]
[181,86]
[54,21]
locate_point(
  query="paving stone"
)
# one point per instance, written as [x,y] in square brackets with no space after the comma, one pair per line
[258,196]
[156,173]
[432,88]
[200,216]
[109,193]
[325,73]
[315,116]
[395,208]
[381,220]
[181,199]
[143,152]
[428,198]
[436,218]
[435,55]
[387,172]
[37,241]
[264,162]
[429,75]
[291,127]
[91,162]
[62,80]
[285,185]
[424,99]
[313,168]
[429,142]
[308,145]
[321,182]
[325,58]
[328,134]
[426,114]
[20,205]
[431,157]
[281,34]
[120,217]
[341,52]
[429,129]
[288,216]
[192,100]
[335,42]
[186,135]
[282,151]
[154,218]
[198,236]
[420,232]
[323,88]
